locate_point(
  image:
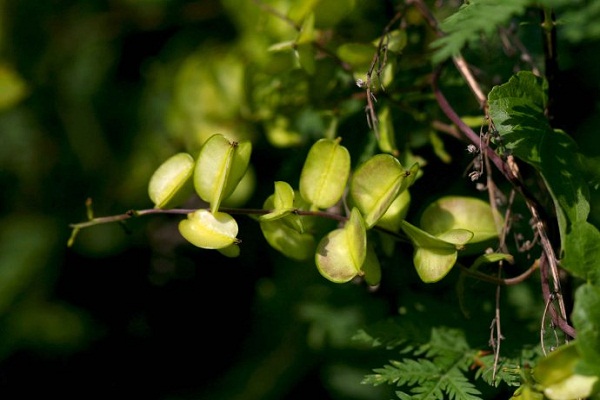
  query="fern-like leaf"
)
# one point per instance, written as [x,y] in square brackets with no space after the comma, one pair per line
[437,369]
[473,19]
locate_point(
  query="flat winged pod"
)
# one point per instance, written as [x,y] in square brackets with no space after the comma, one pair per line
[171,183]
[209,230]
[325,173]
[341,253]
[220,166]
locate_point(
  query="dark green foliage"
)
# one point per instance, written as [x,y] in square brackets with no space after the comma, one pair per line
[307,252]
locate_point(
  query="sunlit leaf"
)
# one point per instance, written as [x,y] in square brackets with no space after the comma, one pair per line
[325,173]
[558,377]
[359,55]
[582,251]
[306,57]
[307,30]
[517,109]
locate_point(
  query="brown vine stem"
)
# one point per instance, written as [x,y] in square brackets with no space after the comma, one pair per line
[181,211]
[379,60]
[508,168]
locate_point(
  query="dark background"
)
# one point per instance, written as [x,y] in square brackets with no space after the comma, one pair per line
[135,310]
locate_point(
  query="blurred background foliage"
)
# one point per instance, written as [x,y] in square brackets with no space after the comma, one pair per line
[95,94]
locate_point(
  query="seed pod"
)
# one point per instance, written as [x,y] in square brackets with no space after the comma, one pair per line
[171,183]
[209,230]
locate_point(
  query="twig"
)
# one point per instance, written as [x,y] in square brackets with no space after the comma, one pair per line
[379,60]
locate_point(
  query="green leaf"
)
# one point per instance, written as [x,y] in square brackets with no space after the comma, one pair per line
[301,10]
[171,183]
[558,377]
[582,252]
[306,57]
[436,370]
[358,55]
[517,110]
[307,30]
[491,258]
[13,88]
[341,253]
[586,318]
[473,20]
[208,230]
[375,184]
[325,173]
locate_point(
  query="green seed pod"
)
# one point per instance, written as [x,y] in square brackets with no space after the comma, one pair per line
[171,183]
[209,230]
[325,173]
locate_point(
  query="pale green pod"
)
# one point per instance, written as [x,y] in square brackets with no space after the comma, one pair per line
[171,183]
[325,173]
[208,230]
[341,253]
[287,240]
[375,184]
[220,166]
[460,212]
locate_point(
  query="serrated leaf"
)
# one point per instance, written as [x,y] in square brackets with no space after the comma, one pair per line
[171,183]
[208,230]
[375,184]
[582,252]
[341,253]
[517,110]
[473,19]
[325,173]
